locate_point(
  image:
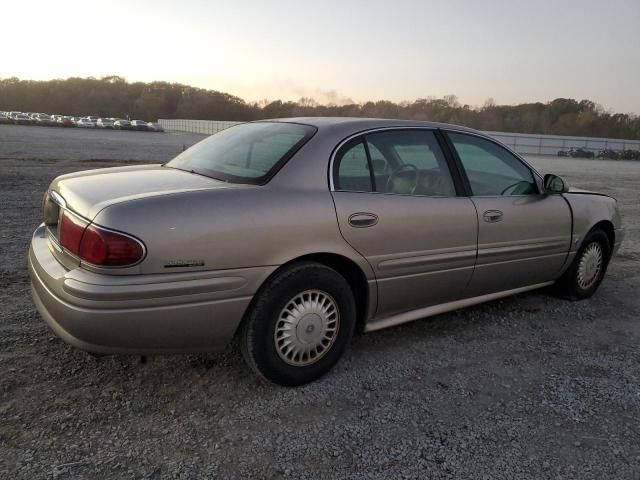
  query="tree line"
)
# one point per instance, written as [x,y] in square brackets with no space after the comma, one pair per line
[113,96]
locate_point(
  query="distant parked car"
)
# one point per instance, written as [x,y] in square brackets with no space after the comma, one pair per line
[628,154]
[44,120]
[105,123]
[155,127]
[139,125]
[608,153]
[581,153]
[122,125]
[65,121]
[4,118]
[22,119]
[86,123]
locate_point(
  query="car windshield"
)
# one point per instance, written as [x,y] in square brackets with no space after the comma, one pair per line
[246,153]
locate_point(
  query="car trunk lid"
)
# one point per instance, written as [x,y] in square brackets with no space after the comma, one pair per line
[86,193]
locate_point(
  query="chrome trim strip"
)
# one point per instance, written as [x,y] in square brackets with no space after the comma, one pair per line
[57,199]
[445,307]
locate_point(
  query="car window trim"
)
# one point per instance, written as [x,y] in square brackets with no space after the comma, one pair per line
[372,174]
[537,178]
[457,181]
[348,145]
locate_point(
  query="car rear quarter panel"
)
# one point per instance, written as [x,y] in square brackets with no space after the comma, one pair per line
[231,228]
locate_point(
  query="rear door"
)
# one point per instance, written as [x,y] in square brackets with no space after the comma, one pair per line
[524,235]
[398,205]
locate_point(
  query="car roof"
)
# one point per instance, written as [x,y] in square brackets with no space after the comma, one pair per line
[359,124]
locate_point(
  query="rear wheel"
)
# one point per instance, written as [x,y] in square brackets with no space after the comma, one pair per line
[300,324]
[585,274]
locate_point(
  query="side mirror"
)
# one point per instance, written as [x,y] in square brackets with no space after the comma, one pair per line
[554,184]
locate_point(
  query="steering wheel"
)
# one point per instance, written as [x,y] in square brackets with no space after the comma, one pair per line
[515,186]
[398,170]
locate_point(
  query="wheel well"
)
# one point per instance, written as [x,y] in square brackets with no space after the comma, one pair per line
[607,227]
[350,271]
[354,276]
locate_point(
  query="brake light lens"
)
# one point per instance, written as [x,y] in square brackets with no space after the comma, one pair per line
[110,249]
[71,229]
[98,246]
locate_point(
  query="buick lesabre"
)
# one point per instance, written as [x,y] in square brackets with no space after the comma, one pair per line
[289,235]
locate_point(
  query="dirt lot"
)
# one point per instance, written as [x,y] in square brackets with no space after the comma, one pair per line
[527,387]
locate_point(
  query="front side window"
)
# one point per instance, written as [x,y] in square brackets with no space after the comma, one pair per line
[246,153]
[491,169]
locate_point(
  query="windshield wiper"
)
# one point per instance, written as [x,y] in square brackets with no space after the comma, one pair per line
[191,170]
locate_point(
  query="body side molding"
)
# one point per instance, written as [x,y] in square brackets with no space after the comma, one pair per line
[445,307]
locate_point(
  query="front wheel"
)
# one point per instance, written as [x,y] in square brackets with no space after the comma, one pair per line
[585,274]
[299,325]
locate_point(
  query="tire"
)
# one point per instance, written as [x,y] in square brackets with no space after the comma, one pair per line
[580,281]
[324,316]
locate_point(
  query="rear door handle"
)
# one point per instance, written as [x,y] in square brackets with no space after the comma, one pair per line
[363,219]
[492,216]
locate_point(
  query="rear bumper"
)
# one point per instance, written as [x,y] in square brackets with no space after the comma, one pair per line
[163,313]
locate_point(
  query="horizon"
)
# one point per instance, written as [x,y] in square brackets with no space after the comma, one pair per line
[266,101]
[509,52]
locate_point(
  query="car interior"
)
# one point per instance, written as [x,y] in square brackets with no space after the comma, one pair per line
[411,163]
[404,163]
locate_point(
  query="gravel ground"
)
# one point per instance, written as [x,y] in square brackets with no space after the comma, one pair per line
[526,387]
[48,143]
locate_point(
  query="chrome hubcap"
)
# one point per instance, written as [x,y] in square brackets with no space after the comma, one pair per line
[590,265]
[306,328]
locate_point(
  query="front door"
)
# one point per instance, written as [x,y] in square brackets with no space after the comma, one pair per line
[524,235]
[397,205]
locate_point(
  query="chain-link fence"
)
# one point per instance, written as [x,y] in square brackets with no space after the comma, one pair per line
[206,127]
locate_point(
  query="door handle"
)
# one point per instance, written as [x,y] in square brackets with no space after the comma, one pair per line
[492,216]
[363,219]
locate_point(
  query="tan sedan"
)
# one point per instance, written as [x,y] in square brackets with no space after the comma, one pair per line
[291,234]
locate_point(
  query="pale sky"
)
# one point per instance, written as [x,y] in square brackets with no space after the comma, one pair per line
[510,50]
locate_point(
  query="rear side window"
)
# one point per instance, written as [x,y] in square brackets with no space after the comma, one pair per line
[413,163]
[353,173]
[403,162]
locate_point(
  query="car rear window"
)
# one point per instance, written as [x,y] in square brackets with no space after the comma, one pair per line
[246,153]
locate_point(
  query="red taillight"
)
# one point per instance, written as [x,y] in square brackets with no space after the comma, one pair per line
[110,249]
[71,230]
[96,245]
